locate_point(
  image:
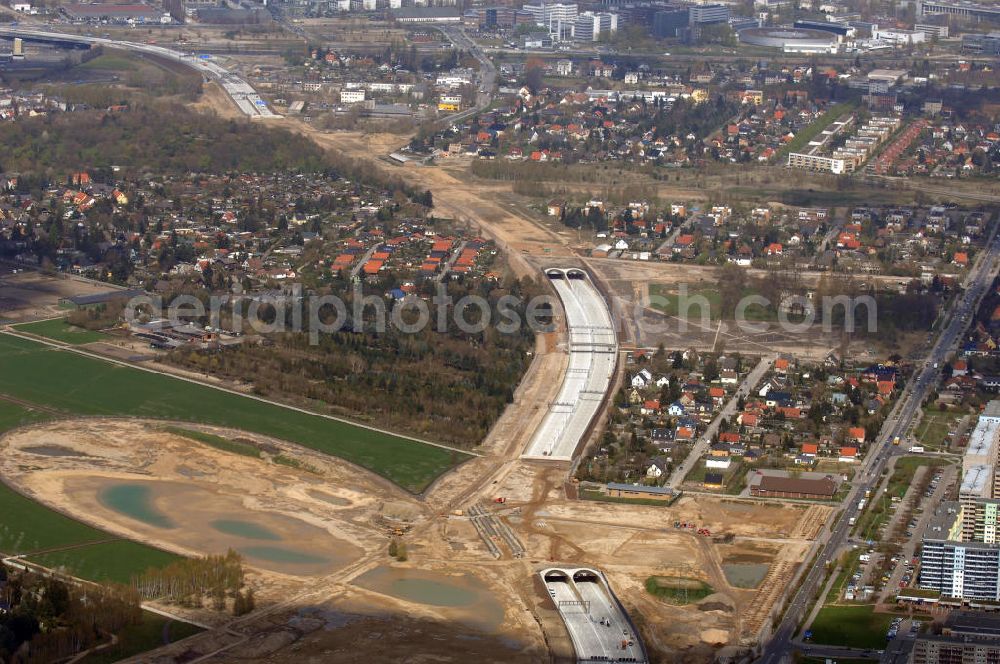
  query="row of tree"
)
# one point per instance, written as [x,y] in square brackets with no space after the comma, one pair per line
[191,582]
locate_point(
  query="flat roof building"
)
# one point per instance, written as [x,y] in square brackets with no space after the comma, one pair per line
[771,486]
[965,637]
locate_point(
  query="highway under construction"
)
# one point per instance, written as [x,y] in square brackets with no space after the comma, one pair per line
[593,358]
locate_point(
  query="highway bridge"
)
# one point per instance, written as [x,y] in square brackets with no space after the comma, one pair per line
[239,90]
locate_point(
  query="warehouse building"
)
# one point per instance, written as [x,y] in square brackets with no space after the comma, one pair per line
[772,486]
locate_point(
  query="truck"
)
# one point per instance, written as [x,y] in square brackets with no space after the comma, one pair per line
[853,520]
[861,504]
[895,440]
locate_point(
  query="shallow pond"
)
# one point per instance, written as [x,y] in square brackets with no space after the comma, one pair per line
[329,498]
[54,451]
[212,522]
[136,502]
[462,592]
[745,575]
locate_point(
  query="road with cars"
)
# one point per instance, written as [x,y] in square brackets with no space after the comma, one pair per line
[781,646]
[487,78]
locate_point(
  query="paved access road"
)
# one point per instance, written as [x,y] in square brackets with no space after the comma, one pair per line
[701,445]
[779,649]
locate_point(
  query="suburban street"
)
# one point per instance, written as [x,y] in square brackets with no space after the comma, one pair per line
[779,649]
[701,445]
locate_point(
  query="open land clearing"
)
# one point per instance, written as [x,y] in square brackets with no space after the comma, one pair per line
[77,384]
[534,242]
[127,476]
[30,295]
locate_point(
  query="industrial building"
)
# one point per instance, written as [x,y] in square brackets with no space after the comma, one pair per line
[967,9]
[102,12]
[773,486]
[988,44]
[427,15]
[841,30]
[589,26]
[791,40]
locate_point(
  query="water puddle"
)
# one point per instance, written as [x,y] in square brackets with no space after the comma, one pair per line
[212,522]
[54,451]
[279,554]
[247,529]
[745,575]
[464,593]
[329,498]
[134,501]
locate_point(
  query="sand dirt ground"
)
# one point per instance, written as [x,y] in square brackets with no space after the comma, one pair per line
[320,612]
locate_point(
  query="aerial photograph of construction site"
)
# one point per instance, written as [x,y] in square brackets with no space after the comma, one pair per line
[580,332]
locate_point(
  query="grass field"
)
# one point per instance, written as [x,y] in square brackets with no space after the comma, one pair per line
[217,442]
[39,374]
[847,569]
[29,526]
[605,498]
[110,63]
[935,425]
[154,631]
[905,469]
[851,626]
[807,134]
[666,299]
[58,329]
[116,561]
[12,415]
[678,590]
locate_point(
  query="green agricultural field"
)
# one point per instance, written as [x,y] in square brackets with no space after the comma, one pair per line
[12,415]
[154,631]
[117,561]
[58,329]
[851,626]
[74,383]
[29,526]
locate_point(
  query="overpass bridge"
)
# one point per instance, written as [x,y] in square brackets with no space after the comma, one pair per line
[237,88]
